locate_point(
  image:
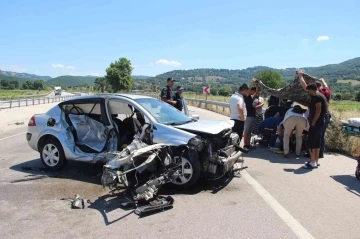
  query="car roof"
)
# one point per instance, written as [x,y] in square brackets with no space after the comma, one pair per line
[109,96]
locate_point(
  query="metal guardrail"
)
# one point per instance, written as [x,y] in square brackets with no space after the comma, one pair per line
[16,103]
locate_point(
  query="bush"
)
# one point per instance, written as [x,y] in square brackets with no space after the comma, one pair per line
[337,96]
[336,139]
[357,96]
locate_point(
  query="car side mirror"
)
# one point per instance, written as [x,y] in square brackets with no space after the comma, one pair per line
[51,122]
[195,117]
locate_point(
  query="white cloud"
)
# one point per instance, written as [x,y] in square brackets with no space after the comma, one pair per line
[62,66]
[94,74]
[323,38]
[73,74]
[167,62]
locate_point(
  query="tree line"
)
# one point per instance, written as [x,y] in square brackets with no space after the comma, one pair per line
[26,85]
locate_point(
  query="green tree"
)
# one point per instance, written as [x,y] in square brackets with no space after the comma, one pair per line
[225,91]
[337,96]
[358,96]
[118,75]
[4,83]
[271,79]
[28,85]
[11,86]
[15,83]
[38,85]
[100,83]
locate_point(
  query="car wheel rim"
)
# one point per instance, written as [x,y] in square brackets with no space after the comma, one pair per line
[51,155]
[186,172]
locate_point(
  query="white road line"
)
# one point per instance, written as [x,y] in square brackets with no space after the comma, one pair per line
[12,136]
[294,225]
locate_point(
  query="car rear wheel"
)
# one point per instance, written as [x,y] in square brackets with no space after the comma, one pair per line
[189,172]
[52,154]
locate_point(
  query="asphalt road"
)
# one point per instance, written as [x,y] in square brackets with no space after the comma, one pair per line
[274,198]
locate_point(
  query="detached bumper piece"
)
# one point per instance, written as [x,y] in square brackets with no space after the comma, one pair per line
[229,157]
[157,205]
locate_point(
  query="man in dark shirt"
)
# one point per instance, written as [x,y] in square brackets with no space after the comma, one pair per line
[178,98]
[317,111]
[166,93]
[250,119]
[322,88]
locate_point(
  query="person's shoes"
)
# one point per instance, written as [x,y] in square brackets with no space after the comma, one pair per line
[308,165]
[321,157]
[286,155]
[317,163]
[307,155]
[298,155]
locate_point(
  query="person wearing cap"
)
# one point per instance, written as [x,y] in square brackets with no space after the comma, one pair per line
[238,110]
[166,92]
[178,98]
[294,119]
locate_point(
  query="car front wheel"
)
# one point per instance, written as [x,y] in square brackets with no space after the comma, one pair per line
[52,154]
[189,172]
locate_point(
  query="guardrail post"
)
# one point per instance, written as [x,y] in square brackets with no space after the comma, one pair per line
[19,102]
[44,100]
[33,100]
[48,100]
[10,103]
[26,102]
[38,101]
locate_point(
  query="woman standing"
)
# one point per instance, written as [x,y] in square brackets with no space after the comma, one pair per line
[258,104]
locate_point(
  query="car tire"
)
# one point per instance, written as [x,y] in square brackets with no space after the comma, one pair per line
[52,155]
[192,171]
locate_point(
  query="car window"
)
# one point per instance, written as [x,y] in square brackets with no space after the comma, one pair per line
[163,112]
[122,110]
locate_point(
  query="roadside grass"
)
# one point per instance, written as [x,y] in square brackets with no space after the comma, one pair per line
[14,94]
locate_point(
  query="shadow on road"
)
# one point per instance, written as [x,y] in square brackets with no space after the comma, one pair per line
[351,183]
[261,153]
[105,204]
[79,171]
[110,202]
[300,170]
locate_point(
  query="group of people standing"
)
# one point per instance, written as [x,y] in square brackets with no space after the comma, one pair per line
[246,110]
[284,120]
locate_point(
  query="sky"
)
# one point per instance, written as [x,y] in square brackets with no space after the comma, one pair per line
[82,37]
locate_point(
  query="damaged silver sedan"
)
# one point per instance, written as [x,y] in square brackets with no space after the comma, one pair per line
[101,128]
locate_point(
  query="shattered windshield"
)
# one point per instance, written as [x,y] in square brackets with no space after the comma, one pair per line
[163,112]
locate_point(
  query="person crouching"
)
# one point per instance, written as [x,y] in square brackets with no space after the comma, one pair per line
[294,119]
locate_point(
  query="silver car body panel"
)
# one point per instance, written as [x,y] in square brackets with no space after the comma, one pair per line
[207,126]
[163,134]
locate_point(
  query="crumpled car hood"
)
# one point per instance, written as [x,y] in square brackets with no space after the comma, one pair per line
[207,126]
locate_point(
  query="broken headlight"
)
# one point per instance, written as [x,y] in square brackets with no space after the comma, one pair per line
[196,143]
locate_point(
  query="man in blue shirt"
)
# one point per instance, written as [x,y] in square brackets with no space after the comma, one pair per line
[269,126]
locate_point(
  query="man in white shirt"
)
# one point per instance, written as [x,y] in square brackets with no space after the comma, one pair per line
[238,110]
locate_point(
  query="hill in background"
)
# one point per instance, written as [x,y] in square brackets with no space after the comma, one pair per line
[24,75]
[342,77]
[346,73]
